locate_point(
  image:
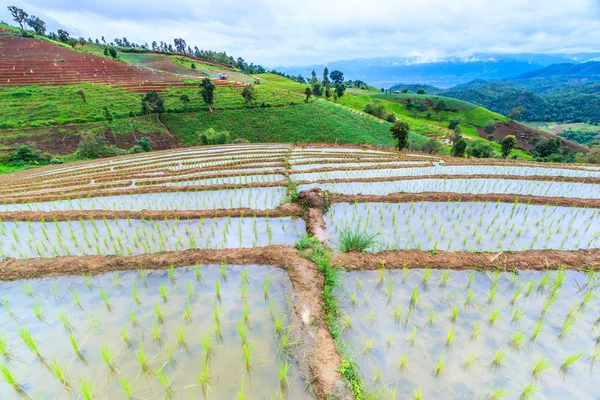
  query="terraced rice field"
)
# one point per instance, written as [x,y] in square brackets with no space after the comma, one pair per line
[281,271]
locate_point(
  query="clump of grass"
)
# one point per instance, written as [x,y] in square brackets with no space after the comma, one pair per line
[569,361]
[9,377]
[517,340]
[87,390]
[283,370]
[60,372]
[540,367]
[4,350]
[439,366]
[528,392]
[204,379]
[127,390]
[29,342]
[356,240]
[109,360]
[498,359]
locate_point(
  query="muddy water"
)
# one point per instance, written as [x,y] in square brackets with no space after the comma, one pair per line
[130,237]
[443,170]
[470,186]
[473,226]
[257,198]
[372,318]
[227,366]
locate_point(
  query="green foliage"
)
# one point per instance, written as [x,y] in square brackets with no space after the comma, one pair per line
[207,91]
[378,109]
[480,149]
[153,103]
[212,137]
[355,240]
[400,131]
[453,123]
[459,145]
[328,123]
[432,146]
[24,155]
[93,145]
[248,94]
[306,242]
[507,143]
[490,127]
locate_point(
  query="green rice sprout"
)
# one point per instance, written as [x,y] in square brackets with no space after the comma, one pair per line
[414,297]
[567,327]
[223,271]
[528,391]
[356,240]
[450,337]
[165,382]
[476,331]
[417,395]
[108,359]
[426,277]
[126,338]
[65,320]
[217,291]
[135,293]
[187,313]
[207,347]
[279,323]
[536,331]
[163,292]
[29,342]
[247,314]
[158,313]
[127,390]
[143,277]
[494,316]
[403,363]
[204,379]
[517,314]
[368,345]
[498,359]
[470,361]
[27,289]
[198,273]
[439,366]
[494,393]
[133,318]
[454,315]
[9,377]
[76,300]
[106,300]
[87,390]
[247,350]
[117,280]
[156,334]
[171,273]
[4,350]
[517,340]
[143,360]
[569,361]
[283,371]
[60,372]
[431,317]
[76,348]
[541,366]
[37,311]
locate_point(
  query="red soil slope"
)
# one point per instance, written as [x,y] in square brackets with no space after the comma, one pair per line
[27,61]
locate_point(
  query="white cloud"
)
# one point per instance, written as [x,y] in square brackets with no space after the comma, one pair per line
[293,32]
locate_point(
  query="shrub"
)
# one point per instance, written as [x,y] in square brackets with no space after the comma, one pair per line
[211,137]
[378,109]
[355,240]
[480,149]
[25,155]
[93,145]
[432,146]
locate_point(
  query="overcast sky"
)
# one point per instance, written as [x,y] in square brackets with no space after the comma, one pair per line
[304,32]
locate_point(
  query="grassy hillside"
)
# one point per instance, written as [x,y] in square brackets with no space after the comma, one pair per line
[44,105]
[320,121]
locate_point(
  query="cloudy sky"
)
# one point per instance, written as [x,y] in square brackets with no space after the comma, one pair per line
[303,32]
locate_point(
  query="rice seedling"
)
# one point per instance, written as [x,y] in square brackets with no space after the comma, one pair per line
[126,387]
[528,391]
[87,390]
[94,322]
[454,315]
[494,393]
[29,342]
[106,300]
[517,340]
[426,277]
[198,273]
[368,345]
[247,352]
[162,289]
[283,371]
[417,394]
[165,382]
[158,313]
[156,334]
[143,360]
[5,352]
[171,273]
[355,240]
[439,366]
[217,291]
[60,372]
[414,297]
[539,368]
[476,331]
[204,379]
[470,361]
[569,361]
[76,300]
[108,358]
[207,347]
[9,377]
[187,313]
[494,316]
[76,348]
[38,312]
[498,359]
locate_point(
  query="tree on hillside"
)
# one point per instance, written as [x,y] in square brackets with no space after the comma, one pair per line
[508,142]
[180,45]
[185,99]
[405,91]
[326,80]
[248,94]
[432,146]
[153,103]
[480,149]
[193,66]
[18,15]
[328,91]
[340,88]
[400,131]
[113,52]
[63,36]
[440,106]
[490,127]
[459,144]
[81,93]
[208,92]
[37,25]
[453,123]
[515,112]
[317,88]
[307,93]
[337,77]
[107,114]
[420,91]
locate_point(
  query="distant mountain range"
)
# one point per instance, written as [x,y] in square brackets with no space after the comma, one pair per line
[443,73]
[564,92]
